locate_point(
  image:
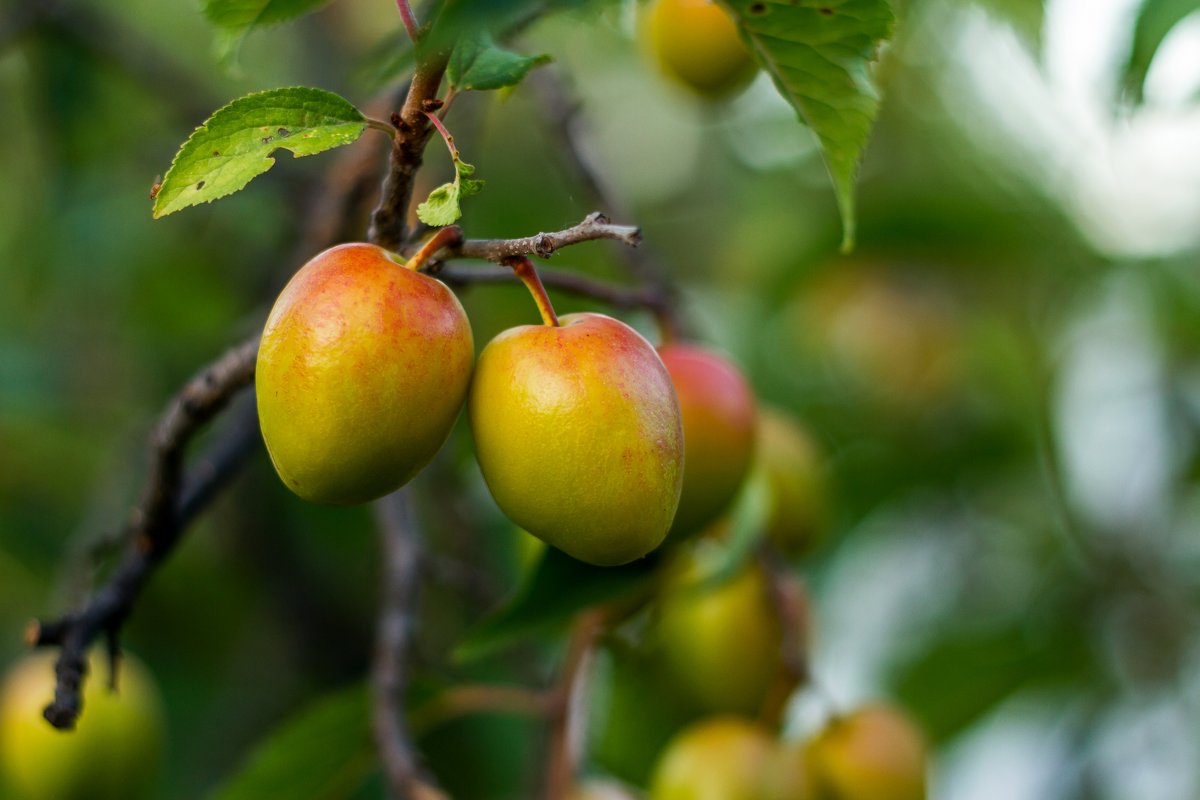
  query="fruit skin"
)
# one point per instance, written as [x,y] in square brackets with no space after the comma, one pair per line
[720,758]
[721,643]
[114,751]
[578,435]
[875,753]
[696,44]
[798,519]
[719,421]
[362,370]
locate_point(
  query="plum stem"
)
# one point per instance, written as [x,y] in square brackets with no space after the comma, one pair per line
[410,21]
[525,270]
[450,236]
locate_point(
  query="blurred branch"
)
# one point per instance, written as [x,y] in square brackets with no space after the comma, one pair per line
[567,720]
[169,500]
[563,113]
[401,562]
[790,603]
[468,699]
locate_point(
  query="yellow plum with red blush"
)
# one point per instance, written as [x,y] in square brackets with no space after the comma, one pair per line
[578,435]
[719,423]
[362,370]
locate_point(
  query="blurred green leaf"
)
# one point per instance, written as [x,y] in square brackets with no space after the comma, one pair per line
[1156,19]
[964,674]
[477,63]
[324,753]
[236,18]
[241,15]
[747,526]
[819,53]
[557,589]
[235,144]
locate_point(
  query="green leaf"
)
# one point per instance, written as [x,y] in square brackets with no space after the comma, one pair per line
[323,753]
[443,206]
[557,589]
[235,144]
[236,18]
[747,526]
[1156,19]
[477,63]
[241,15]
[819,53]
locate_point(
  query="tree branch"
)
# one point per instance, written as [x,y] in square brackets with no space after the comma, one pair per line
[790,603]
[594,226]
[401,562]
[567,722]
[562,112]
[154,525]
[389,220]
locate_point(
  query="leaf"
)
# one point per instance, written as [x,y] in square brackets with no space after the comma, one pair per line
[323,753]
[235,144]
[556,590]
[443,205]
[1156,19]
[241,15]
[236,18]
[819,54]
[477,63]
[747,526]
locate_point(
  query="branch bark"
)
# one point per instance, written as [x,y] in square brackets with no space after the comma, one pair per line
[154,526]
[401,563]
[389,221]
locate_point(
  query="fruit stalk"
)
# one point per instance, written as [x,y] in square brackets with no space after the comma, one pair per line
[450,236]
[525,270]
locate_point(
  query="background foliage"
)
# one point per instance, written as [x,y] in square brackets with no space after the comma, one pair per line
[1005,374]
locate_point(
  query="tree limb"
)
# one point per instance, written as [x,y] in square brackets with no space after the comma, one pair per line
[401,563]
[389,220]
[153,526]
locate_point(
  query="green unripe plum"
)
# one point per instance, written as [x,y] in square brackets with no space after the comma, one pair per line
[578,436]
[798,519]
[696,44]
[720,758]
[875,753]
[719,420]
[720,642]
[113,753]
[362,370]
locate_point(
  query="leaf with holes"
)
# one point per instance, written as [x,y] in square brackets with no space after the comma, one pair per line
[235,144]
[820,54]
